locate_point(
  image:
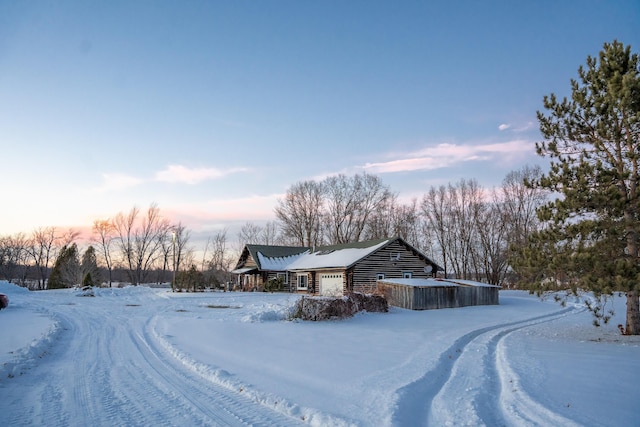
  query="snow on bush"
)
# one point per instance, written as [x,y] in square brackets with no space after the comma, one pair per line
[326,308]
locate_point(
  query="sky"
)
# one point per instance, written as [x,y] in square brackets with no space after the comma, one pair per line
[213,109]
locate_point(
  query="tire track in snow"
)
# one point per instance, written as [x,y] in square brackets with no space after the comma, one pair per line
[212,404]
[119,378]
[242,409]
[502,401]
[516,405]
[478,381]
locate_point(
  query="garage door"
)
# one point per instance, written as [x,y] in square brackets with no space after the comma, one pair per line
[331,284]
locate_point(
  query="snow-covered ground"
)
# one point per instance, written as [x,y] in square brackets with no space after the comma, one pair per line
[141,356]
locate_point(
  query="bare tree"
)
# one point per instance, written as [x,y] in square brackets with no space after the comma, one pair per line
[393,218]
[124,235]
[270,233]
[351,203]
[67,237]
[218,246]
[219,260]
[340,212]
[179,239]
[382,222]
[103,236]
[520,202]
[299,213]
[140,240]
[436,209]
[13,254]
[42,251]
[406,223]
[249,233]
[492,231]
[466,198]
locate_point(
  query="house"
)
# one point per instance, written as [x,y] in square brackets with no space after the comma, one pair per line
[332,270]
[428,294]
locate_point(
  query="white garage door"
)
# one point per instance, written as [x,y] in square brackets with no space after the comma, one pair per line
[331,284]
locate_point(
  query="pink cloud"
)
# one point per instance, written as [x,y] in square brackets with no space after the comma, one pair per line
[446,155]
[203,215]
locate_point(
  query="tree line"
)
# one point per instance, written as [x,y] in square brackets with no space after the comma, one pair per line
[464,227]
[133,247]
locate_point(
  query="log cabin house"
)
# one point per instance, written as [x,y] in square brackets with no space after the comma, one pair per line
[332,270]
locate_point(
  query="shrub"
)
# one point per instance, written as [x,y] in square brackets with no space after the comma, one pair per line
[327,308]
[274,285]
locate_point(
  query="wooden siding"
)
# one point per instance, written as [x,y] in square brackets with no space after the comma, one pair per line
[364,275]
[250,263]
[434,297]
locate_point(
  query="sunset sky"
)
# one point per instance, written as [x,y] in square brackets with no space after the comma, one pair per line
[212,109]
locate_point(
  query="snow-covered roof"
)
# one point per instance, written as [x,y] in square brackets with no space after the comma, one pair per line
[333,258]
[340,256]
[419,282]
[242,270]
[470,283]
[269,254]
[436,283]
[277,263]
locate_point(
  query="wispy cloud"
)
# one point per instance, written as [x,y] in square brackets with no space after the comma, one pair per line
[525,127]
[447,155]
[517,128]
[118,181]
[185,175]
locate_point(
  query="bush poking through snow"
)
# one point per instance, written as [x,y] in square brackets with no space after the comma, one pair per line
[327,308]
[86,291]
[4,301]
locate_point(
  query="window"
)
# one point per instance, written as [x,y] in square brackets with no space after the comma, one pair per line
[407,275]
[303,281]
[284,276]
[380,276]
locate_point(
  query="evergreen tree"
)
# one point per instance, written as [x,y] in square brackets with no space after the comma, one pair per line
[66,270]
[87,280]
[89,267]
[590,235]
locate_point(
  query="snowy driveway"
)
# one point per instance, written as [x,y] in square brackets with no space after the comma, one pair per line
[139,356]
[105,369]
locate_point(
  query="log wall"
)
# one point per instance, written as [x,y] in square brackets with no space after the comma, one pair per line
[364,274]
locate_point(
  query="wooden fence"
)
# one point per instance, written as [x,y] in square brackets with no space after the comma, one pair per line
[445,295]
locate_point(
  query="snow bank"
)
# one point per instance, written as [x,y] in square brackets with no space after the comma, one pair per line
[28,332]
